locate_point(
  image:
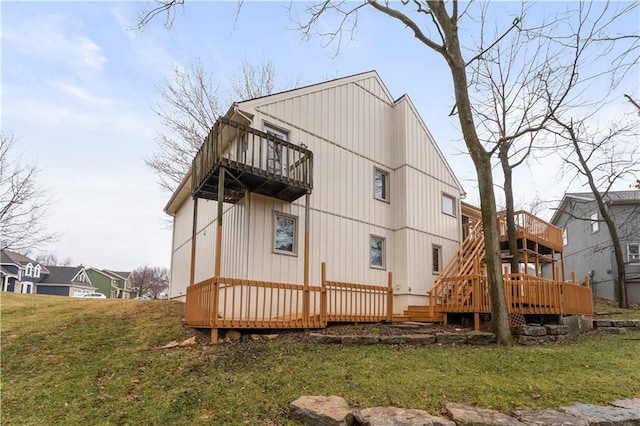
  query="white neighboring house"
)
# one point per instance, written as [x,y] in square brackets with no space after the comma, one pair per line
[383,198]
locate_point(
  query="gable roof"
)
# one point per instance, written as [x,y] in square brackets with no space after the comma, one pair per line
[11,257]
[611,198]
[110,274]
[64,275]
[121,275]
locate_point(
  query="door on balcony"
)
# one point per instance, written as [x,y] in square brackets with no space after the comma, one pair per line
[275,157]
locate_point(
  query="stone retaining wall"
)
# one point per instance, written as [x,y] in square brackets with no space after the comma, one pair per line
[617,326]
[470,338]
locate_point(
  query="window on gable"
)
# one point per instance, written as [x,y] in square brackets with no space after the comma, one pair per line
[376,252]
[565,237]
[633,252]
[36,271]
[28,270]
[595,224]
[436,259]
[448,204]
[380,185]
[285,230]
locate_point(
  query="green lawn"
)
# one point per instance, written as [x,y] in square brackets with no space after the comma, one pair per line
[75,361]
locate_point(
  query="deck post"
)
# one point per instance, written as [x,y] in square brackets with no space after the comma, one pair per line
[323,293]
[476,321]
[390,297]
[218,258]
[214,335]
[194,234]
[305,292]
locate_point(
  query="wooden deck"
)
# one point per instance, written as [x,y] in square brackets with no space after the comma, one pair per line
[253,161]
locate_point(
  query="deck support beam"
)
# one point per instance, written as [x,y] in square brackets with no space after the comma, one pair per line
[305,292]
[194,234]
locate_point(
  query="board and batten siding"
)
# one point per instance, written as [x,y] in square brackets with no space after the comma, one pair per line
[353,127]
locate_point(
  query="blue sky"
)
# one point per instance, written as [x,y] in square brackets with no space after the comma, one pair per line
[78,87]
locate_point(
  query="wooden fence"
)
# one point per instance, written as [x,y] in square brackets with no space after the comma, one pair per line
[239,303]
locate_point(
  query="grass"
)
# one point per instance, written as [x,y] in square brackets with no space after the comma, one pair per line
[75,361]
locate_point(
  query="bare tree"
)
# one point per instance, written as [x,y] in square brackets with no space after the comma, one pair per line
[23,201]
[602,158]
[150,280]
[51,259]
[190,106]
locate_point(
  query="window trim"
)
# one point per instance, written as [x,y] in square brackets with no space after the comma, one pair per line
[633,261]
[565,237]
[276,215]
[444,195]
[384,252]
[28,270]
[387,176]
[594,225]
[438,248]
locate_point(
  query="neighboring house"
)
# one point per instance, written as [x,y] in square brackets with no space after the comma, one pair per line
[19,273]
[342,162]
[65,281]
[588,248]
[114,285]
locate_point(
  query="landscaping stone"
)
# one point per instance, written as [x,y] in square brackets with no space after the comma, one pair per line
[529,330]
[468,415]
[597,415]
[555,330]
[631,403]
[393,340]
[233,335]
[322,338]
[393,416]
[322,411]
[480,338]
[359,340]
[573,322]
[255,337]
[451,338]
[625,323]
[529,340]
[548,418]
[601,323]
[420,339]
[270,336]
[614,330]
[586,323]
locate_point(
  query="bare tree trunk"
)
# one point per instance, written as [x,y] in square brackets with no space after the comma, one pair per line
[503,153]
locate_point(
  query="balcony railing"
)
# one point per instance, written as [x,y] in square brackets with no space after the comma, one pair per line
[256,161]
[534,229]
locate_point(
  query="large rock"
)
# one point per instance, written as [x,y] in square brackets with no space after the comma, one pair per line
[597,415]
[393,416]
[321,411]
[469,415]
[480,338]
[233,335]
[393,340]
[625,323]
[631,403]
[555,330]
[451,338]
[322,338]
[359,340]
[548,418]
[614,330]
[529,330]
[530,340]
[601,323]
[420,339]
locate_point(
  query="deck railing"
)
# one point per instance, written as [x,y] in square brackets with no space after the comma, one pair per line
[240,303]
[245,148]
[533,228]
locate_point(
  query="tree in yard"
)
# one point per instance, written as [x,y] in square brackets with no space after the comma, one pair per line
[150,280]
[190,106]
[602,158]
[51,259]
[23,202]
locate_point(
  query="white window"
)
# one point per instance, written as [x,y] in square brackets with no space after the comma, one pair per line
[275,155]
[633,252]
[36,271]
[565,237]
[448,204]
[380,185]
[28,270]
[595,225]
[436,259]
[376,252]
[285,231]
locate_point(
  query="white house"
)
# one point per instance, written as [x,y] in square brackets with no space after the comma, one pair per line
[379,195]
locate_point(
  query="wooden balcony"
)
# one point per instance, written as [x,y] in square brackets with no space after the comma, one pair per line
[254,161]
[540,236]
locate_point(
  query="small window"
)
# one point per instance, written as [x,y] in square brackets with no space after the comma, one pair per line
[448,205]
[377,252]
[565,237]
[595,225]
[380,185]
[436,258]
[36,271]
[285,240]
[28,270]
[633,252]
